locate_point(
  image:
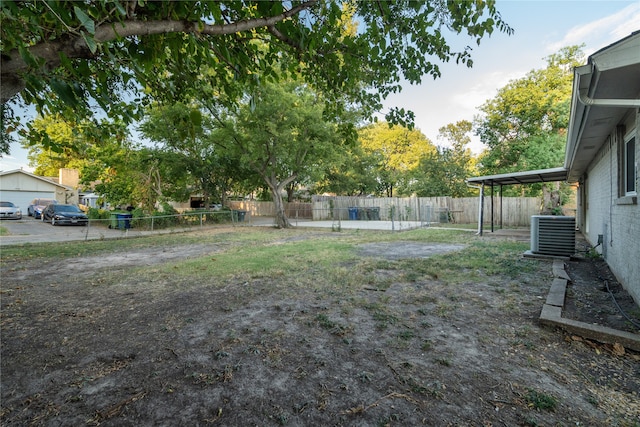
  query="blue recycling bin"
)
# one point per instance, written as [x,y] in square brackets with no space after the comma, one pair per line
[124,220]
[353,213]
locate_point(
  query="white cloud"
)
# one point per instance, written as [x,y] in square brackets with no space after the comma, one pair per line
[485,87]
[604,30]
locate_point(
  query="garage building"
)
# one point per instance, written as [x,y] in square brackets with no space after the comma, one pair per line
[21,187]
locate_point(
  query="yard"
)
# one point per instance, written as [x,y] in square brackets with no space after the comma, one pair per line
[248,326]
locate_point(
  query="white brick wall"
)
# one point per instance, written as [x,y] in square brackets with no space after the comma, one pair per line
[619,223]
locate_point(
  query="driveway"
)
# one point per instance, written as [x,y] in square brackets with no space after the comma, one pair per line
[30,230]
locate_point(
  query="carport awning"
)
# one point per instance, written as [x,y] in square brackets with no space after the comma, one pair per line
[527,177]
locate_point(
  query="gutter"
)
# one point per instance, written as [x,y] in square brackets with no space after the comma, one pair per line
[587,101]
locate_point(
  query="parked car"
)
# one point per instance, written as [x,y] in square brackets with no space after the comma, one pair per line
[37,205]
[64,214]
[9,211]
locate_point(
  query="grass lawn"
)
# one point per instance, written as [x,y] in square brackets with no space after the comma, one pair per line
[257,326]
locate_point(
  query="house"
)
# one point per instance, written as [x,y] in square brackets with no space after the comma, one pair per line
[21,187]
[602,156]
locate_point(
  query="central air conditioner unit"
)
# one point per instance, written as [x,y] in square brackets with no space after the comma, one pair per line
[553,235]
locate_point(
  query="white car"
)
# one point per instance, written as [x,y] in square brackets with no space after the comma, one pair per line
[9,211]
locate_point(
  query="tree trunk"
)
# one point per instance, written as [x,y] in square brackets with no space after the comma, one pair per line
[551,198]
[281,220]
[290,190]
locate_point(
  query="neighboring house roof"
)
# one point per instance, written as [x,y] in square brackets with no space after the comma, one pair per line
[603,91]
[600,98]
[41,178]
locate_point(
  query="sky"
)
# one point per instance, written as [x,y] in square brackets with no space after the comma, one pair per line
[541,28]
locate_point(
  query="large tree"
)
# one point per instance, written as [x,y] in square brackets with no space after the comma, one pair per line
[443,172]
[184,134]
[527,113]
[73,57]
[126,175]
[281,133]
[397,151]
[69,139]
[354,174]
[524,126]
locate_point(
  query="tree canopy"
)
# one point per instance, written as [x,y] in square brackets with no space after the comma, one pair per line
[442,172]
[78,57]
[397,151]
[281,135]
[524,125]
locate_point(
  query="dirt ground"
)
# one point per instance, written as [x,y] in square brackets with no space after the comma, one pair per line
[595,296]
[84,342]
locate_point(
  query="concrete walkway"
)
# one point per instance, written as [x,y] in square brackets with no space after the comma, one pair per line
[360,225]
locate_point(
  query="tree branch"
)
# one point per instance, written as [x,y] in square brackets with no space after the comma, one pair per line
[74,46]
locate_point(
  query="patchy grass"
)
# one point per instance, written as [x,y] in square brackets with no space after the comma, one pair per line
[256,260]
[539,400]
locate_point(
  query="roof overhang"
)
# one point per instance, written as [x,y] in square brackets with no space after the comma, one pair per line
[527,177]
[39,178]
[604,91]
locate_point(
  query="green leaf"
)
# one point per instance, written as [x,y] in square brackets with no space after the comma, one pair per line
[27,56]
[64,92]
[85,21]
[196,118]
[91,43]
[121,9]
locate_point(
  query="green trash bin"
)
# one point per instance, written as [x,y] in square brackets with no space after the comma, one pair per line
[239,215]
[113,220]
[374,214]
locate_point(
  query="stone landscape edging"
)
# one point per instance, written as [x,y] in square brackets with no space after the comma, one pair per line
[551,315]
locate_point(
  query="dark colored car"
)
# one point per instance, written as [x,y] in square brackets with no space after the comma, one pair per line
[9,211]
[64,214]
[37,205]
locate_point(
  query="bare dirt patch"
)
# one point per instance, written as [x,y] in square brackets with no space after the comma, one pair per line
[404,250]
[595,296]
[136,345]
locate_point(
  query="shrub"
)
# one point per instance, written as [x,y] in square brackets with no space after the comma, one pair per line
[95,213]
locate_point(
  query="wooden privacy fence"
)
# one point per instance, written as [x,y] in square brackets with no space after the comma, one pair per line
[255,208]
[516,211]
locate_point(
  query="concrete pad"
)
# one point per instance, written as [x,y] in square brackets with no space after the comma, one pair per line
[529,254]
[361,225]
